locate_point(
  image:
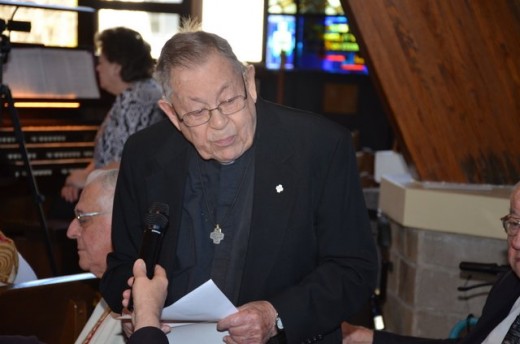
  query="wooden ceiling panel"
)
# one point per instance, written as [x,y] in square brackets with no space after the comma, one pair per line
[449,75]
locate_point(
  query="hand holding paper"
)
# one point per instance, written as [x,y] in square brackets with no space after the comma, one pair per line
[206,303]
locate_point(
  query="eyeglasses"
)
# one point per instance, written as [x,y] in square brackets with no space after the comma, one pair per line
[511,225]
[202,116]
[83,217]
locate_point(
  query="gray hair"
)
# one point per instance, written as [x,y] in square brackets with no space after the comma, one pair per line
[190,47]
[108,180]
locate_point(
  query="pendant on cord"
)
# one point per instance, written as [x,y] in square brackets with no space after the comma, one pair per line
[217,236]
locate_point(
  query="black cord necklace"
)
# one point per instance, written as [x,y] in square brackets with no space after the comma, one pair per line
[217,235]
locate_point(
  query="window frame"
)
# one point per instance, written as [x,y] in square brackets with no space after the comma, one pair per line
[88,23]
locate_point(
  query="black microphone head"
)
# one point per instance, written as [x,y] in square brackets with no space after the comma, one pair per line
[161,208]
[155,221]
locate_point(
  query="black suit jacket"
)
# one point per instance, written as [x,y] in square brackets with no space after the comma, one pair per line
[310,250]
[498,304]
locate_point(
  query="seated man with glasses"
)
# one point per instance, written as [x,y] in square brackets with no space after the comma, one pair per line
[500,319]
[263,199]
[92,229]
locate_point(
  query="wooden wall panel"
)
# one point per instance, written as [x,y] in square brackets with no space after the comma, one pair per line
[448,72]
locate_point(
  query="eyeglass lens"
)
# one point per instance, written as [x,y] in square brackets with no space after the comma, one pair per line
[511,225]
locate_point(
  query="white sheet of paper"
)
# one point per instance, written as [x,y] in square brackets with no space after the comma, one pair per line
[206,303]
[196,333]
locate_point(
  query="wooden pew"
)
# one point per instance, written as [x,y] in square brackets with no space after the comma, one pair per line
[52,309]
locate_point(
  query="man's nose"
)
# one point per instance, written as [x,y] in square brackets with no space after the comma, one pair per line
[74,229]
[217,119]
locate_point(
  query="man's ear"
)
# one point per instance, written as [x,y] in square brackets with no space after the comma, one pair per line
[168,110]
[250,81]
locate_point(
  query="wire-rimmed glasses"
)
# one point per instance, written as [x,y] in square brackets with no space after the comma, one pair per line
[83,217]
[511,224]
[202,116]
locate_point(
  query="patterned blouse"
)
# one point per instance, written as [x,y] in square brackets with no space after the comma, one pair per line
[133,109]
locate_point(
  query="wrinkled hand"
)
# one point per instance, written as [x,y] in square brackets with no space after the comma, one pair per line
[148,298]
[253,323]
[126,324]
[356,334]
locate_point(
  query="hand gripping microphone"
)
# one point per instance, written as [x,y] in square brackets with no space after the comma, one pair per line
[155,221]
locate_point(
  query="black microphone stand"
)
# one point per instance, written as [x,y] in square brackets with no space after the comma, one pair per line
[7,102]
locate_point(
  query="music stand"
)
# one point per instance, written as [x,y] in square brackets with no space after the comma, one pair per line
[7,102]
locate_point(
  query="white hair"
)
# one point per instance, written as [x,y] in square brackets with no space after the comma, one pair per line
[107,178]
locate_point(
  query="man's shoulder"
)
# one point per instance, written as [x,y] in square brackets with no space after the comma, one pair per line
[156,135]
[506,283]
[298,121]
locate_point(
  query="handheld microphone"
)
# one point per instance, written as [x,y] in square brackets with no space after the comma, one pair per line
[156,221]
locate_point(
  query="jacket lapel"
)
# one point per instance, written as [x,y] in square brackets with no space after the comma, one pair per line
[274,191]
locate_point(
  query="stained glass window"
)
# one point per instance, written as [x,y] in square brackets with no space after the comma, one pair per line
[328,7]
[282,6]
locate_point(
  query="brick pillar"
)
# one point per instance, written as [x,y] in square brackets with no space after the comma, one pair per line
[422,297]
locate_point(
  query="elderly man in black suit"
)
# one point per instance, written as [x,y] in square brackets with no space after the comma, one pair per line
[263,199]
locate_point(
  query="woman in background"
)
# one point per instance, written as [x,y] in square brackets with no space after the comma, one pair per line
[125,67]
